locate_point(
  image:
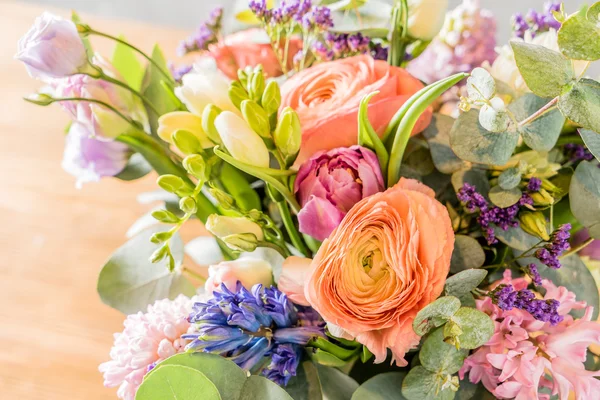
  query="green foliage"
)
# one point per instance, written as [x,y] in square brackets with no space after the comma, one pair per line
[472,142]
[579,36]
[129,282]
[477,327]
[435,314]
[592,141]
[316,382]
[516,238]
[546,72]
[154,88]
[440,357]
[125,60]
[137,167]
[509,178]
[386,386]
[367,136]
[505,198]
[581,104]
[473,176]
[541,134]
[467,254]
[462,283]
[421,384]
[584,194]
[438,138]
[177,382]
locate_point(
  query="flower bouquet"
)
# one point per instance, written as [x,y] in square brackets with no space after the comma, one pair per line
[396,208]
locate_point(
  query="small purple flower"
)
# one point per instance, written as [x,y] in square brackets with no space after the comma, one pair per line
[578,152]
[506,298]
[550,254]
[378,52]
[284,363]
[258,7]
[534,185]
[533,273]
[206,34]
[318,18]
[179,71]
[535,22]
[330,183]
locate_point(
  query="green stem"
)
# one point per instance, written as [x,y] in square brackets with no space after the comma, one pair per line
[140,52]
[577,249]
[288,222]
[125,86]
[280,249]
[194,274]
[539,113]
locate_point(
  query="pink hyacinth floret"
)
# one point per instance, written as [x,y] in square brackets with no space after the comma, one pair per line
[525,355]
[147,339]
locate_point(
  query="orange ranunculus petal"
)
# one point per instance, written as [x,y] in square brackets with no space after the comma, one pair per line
[386,261]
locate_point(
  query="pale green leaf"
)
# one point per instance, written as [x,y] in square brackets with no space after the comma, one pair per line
[440,357]
[435,314]
[584,194]
[386,386]
[136,168]
[421,384]
[438,138]
[154,90]
[579,37]
[177,382]
[592,141]
[509,178]
[335,384]
[505,198]
[257,387]
[477,327]
[481,86]
[125,60]
[516,238]
[541,134]
[582,104]
[467,254]
[306,384]
[462,283]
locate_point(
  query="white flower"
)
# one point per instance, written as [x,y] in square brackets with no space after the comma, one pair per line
[241,141]
[426,18]
[201,89]
[249,271]
[222,226]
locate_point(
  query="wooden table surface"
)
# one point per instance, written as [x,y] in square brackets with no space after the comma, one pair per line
[54,238]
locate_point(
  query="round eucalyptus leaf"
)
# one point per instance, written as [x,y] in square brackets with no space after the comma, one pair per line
[386,386]
[516,238]
[435,314]
[481,85]
[467,254]
[592,141]
[582,104]
[570,35]
[462,283]
[177,382]
[477,327]
[472,142]
[257,387]
[493,119]
[421,384]
[584,194]
[509,179]
[305,385]
[335,384]
[505,198]
[474,177]
[541,134]
[440,357]
[438,138]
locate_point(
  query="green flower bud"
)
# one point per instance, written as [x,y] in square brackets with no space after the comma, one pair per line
[242,77]
[196,166]
[288,134]
[160,253]
[226,201]
[241,242]
[160,237]
[257,118]
[186,142]
[165,216]
[222,226]
[41,99]
[257,85]
[170,183]
[542,198]
[534,223]
[237,94]
[210,113]
[271,98]
[187,205]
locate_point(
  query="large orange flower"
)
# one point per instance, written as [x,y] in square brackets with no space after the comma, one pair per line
[327,96]
[387,260]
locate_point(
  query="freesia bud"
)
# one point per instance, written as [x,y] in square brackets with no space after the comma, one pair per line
[160,253]
[182,120]
[426,18]
[222,226]
[257,118]
[241,141]
[41,99]
[534,223]
[170,183]
[237,94]
[165,216]
[257,85]
[187,205]
[542,198]
[288,134]
[53,49]
[226,201]
[195,165]
[241,242]
[271,98]
[211,112]
[186,141]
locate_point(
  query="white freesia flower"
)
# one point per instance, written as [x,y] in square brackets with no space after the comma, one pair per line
[222,226]
[200,89]
[426,18]
[241,141]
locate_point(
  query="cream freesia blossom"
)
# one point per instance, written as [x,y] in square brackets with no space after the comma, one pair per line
[170,123]
[222,226]
[247,270]
[201,89]
[241,141]
[426,18]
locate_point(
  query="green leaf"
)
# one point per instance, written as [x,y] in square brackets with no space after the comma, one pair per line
[89,51]
[178,383]
[154,90]
[471,391]
[592,141]
[373,20]
[474,177]
[477,327]
[546,72]
[505,198]
[467,254]
[421,384]
[125,60]
[137,167]
[440,357]
[467,300]
[129,282]
[579,37]
[509,179]
[541,134]
[227,377]
[367,136]
[325,358]
[462,283]
[306,384]
[471,142]
[386,386]
[438,138]
[435,314]
[582,104]
[481,86]
[584,194]
[335,384]
[516,238]
[257,387]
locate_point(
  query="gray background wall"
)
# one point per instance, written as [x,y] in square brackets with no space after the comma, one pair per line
[188,13]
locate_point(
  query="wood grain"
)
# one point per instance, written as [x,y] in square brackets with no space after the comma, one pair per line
[54,238]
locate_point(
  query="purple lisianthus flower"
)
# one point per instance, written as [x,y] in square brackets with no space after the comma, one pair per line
[89,159]
[330,183]
[52,49]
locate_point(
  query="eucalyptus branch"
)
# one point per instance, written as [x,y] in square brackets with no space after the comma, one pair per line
[539,113]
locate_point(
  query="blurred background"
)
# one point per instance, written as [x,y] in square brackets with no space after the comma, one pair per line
[54,238]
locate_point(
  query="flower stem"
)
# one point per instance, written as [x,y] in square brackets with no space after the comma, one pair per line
[539,113]
[125,86]
[285,253]
[137,50]
[578,248]
[194,274]
[288,222]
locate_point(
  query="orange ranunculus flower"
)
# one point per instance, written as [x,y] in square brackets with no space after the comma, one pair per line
[327,96]
[387,260]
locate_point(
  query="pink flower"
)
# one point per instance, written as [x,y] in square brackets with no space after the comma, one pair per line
[293,276]
[249,271]
[330,183]
[569,378]
[148,338]
[52,48]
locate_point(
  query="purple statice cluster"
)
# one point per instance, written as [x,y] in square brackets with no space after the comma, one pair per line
[179,71]
[249,326]
[536,22]
[534,274]
[341,45]
[549,255]
[207,33]
[507,298]
[577,152]
[489,217]
[301,12]
[534,184]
